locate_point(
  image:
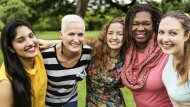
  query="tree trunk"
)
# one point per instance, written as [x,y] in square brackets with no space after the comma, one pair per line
[81,7]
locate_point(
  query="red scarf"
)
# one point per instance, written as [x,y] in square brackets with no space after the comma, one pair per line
[134,73]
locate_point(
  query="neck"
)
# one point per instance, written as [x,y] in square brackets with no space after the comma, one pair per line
[66,53]
[114,53]
[141,47]
[176,60]
[28,64]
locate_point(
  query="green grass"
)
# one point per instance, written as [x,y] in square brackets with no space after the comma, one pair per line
[53,35]
[49,35]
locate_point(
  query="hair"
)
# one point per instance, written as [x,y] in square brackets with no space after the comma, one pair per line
[183,66]
[71,18]
[21,83]
[155,13]
[100,49]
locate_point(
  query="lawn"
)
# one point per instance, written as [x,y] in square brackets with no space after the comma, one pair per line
[52,35]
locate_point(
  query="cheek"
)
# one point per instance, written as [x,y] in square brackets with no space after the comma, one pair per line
[122,40]
[82,38]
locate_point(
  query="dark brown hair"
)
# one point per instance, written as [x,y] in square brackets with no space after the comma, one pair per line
[155,13]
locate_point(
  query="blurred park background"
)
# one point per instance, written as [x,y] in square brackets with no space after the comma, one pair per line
[45,17]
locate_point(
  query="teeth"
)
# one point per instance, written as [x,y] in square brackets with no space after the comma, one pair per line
[167,46]
[114,43]
[32,48]
[74,44]
[140,35]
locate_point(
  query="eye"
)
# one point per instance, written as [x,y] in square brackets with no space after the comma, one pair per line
[109,33]
[31,35]
[147,24]
[160,32]
[120,34]
[71,34]
[135,24]
[173,33]
[20,40]
[80,34]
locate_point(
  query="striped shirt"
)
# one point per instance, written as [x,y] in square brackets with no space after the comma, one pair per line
[62,82]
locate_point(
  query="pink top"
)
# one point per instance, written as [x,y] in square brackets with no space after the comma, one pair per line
[153,93]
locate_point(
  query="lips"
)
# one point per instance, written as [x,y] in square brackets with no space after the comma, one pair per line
[114,43]
[75,45]
[31,49]
[167,46]
[140,36]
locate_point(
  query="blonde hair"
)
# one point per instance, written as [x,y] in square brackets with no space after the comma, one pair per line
[71,18]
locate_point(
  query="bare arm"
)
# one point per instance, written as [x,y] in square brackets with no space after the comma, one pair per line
[47,43]
[6,94]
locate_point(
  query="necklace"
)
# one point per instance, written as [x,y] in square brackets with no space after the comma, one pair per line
[114,59]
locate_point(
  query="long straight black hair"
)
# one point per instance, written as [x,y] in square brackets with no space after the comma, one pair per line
[21,83]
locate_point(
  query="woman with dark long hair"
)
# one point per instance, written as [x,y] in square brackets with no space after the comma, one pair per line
[23,80]
[144,60]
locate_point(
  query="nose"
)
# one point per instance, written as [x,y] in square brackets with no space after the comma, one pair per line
[165,38]
[140,28]
[114,36]
[29,42]
[76,38]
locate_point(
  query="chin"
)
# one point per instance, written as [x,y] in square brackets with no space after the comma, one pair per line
[166,52]
[75,50]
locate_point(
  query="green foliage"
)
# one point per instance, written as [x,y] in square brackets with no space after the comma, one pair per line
[13,9]
[1,25]
[47,14]
[168,5]
[94,21]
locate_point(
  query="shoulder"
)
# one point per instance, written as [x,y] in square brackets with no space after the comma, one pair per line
[6,93]
[86,49]
[3,72]
[49,49]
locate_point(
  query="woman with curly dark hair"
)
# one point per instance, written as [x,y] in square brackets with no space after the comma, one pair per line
[144,60]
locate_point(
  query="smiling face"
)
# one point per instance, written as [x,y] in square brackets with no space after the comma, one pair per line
[73,36]
[115,36]
[171,36]
[142,28]
[25,44]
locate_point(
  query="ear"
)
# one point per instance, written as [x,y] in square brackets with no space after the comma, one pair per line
[61,34]
[12,50]
[188,36]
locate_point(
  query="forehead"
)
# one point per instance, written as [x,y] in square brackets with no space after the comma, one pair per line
[170,23]
[115,26]
[75,26]
[22,31]
[142,16]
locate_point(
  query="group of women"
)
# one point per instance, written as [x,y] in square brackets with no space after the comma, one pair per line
[148,52]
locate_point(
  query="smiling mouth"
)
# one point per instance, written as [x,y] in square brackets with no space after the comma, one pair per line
[167,46]
[32,49]
[74,45]
[114,43]
[140,36]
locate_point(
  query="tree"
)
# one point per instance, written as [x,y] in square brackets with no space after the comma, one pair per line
[81,7]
